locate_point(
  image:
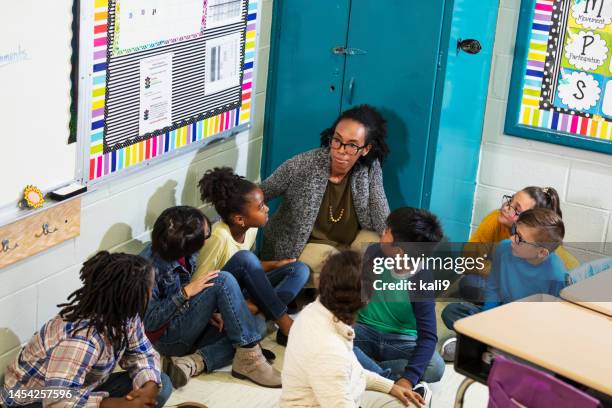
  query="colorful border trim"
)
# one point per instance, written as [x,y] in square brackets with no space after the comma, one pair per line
[116,51]
[101,164]
[530,113]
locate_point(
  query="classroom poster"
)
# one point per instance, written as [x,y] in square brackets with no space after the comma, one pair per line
[580,58]
[567,84]
[222,12]
[155,93]
[147,24]
[222,63]
[193,73]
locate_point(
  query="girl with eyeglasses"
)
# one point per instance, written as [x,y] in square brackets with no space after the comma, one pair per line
[497,226]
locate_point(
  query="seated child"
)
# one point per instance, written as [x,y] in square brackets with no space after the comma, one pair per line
[320,368]
[181,320]
[496,227]
[522,266]
[240,203]
[395,330]
[77,351]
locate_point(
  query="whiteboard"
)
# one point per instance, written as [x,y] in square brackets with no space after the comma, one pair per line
[35,51]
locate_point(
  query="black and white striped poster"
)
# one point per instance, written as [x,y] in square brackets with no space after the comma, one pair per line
[188,80]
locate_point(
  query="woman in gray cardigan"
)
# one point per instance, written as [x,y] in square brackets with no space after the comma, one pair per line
[333,196]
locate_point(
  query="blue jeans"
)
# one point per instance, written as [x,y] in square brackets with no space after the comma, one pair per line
[120,384]
[456,311]
[190,332]
[388,354]
[471,287]
[271,291]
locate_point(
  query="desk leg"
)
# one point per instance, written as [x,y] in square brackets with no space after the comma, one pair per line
[465,384]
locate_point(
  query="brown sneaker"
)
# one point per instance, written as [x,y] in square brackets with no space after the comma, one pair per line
[250,364]
[181,369]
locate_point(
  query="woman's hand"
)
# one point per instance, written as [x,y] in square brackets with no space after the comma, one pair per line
[198,285]
[402,390]
[270,265]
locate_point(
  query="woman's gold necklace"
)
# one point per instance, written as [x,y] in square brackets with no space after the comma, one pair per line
[331,215]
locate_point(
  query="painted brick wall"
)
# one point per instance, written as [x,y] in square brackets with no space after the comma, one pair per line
[507,163]
[119,215]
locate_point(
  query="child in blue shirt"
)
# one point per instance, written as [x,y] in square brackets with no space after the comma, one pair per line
[524,265]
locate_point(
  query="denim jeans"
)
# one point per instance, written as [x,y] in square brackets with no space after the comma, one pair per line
[120,384]
[388,354]
[189,330]
[271,291]
[471,287]
[456,311]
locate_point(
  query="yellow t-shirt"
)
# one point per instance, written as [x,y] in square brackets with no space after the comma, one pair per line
[220,247]
[492,231]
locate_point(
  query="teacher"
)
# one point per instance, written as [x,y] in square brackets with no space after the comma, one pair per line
[333,196]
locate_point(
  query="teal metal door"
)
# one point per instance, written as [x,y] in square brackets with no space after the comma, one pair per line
[402,57]
[305,76]
[394,68]
[391,63]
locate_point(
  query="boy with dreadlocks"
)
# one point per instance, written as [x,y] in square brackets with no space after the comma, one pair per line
[76,352]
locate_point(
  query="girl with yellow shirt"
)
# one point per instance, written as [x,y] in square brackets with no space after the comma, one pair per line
[270,285]
[496,227]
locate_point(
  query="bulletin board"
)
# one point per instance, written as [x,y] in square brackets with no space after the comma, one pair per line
[165,75]
[561,88]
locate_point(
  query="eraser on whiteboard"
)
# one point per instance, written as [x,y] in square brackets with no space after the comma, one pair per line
[69,191]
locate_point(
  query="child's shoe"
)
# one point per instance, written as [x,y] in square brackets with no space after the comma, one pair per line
[250,364]
[448,350]
[181,369]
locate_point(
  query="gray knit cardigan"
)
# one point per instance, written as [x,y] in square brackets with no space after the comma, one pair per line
[301,182]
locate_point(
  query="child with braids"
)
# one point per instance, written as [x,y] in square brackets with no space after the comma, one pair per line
[271,285]
[497,226]
[77,351]
[181,318]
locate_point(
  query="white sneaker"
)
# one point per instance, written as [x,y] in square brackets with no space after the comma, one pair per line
[448,350]
[423,390]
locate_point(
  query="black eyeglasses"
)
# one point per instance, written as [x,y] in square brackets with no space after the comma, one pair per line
[506,200]
[520,239]
[350,148]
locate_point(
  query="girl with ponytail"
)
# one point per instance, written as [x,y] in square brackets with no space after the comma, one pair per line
[271,285]
[497,226]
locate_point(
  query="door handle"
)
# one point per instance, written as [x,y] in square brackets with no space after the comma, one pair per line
[470,46]
[347,51]
[351,90]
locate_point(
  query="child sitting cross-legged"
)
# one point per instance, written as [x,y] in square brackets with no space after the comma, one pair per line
[74,355]
[395,334]
[181,319]
[320,368]
[271,285]
[522,266]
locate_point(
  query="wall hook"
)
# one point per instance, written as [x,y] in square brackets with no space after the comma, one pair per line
[45,230]
[6,246]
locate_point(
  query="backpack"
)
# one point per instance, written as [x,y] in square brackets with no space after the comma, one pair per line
[515,385]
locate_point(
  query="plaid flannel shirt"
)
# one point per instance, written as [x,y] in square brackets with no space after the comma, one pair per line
[59,357]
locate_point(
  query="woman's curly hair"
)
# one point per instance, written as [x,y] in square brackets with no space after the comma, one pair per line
[376,132]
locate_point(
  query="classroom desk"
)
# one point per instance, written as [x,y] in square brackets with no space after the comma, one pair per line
[594,293]
[571,341]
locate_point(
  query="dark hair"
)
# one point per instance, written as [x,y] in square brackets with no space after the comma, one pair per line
[179,232]
[408,224]
[340,285]
[545,197]
[115,289]
[226,191]
[376,132]
[549,226]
